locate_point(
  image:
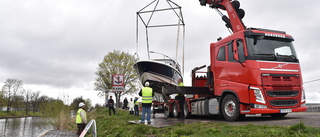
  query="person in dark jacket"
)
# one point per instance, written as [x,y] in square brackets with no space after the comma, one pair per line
[111,106]
[125,103]
[147,95]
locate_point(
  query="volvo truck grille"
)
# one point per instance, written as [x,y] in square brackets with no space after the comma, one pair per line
[283,93]
[279,103]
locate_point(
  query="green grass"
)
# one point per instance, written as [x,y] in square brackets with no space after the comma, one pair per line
[118,126]
[4,114]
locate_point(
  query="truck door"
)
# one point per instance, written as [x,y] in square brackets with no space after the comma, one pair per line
[236,69]
[219,68]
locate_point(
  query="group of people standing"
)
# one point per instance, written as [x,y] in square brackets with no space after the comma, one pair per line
[146,93]
[131,105]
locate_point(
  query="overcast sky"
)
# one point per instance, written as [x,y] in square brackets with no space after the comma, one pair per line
[55,46]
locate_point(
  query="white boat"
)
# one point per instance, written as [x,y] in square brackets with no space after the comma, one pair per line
[164,71]
[158,72]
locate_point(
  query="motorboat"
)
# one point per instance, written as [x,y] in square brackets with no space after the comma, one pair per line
[158,72]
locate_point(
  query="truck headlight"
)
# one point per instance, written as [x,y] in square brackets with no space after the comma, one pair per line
[258,94]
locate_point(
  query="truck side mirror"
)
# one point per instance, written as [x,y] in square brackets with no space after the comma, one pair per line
[235,50]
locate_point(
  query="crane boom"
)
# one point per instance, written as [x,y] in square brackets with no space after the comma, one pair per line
[235,14]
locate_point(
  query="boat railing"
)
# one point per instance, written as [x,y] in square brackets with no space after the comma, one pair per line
[167,60]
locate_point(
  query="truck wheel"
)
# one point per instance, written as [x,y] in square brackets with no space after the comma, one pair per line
[278,115]
[230,108]
[175,110]
[186,110]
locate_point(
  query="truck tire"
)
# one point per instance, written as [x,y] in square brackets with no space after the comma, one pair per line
[230,108]
[175,110]
[186,110]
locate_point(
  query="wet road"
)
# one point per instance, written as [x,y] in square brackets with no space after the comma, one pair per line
[311,119]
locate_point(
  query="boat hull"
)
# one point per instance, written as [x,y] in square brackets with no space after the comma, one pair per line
[157,74]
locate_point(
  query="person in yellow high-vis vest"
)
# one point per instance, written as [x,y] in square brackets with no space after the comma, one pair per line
[147,95]
[81,118]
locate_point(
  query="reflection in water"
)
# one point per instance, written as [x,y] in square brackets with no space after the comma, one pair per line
[27,126]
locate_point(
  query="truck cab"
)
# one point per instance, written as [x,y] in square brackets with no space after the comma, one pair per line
[259,68]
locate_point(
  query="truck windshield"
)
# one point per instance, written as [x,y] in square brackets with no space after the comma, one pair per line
[270,49]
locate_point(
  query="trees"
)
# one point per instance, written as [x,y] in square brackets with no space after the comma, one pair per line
[7,88]
[2,99]
[74,104]
[27,98]
[116,62]
[18,103]
[11,87]
[14,96]
[43,102]
[34,99]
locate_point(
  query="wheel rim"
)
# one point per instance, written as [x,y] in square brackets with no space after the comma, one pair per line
[230,108]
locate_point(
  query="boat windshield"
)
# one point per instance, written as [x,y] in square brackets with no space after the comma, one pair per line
[270,49]
[170,62]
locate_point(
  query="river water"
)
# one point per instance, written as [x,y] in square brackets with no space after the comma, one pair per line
[24,127]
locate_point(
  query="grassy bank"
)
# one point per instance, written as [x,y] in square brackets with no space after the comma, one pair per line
[118,126]
[5,114]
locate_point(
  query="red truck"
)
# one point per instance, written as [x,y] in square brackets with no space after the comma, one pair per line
[252,71]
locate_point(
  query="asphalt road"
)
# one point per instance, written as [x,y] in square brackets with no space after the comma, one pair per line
[311,119]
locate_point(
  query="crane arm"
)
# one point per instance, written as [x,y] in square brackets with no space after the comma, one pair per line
[235,14]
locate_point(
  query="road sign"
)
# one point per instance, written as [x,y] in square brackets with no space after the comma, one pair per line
[118,82]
